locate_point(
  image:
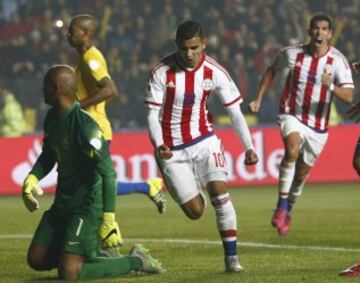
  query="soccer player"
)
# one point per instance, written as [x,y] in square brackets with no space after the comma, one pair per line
[316,73]
[354,271]
[95,89]
[188,152]
[67,236]
[353,112]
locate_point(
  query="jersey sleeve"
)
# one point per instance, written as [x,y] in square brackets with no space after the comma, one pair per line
[155,89]
[46,161]
[343,75]
[98,151]
[281,60]
[92,139]
[226,90]
[97,65]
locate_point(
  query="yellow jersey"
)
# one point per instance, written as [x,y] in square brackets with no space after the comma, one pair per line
[91,69]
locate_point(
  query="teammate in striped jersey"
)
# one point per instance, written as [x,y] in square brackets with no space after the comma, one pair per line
[316,73]
[189,154]
[95,90]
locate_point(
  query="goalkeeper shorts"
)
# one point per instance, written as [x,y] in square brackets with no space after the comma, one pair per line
[74,234]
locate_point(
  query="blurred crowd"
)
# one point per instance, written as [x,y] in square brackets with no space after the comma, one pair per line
[243,35]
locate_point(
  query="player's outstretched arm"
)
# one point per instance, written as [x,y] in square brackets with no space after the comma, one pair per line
[344,94]
[265,83]
[242,130]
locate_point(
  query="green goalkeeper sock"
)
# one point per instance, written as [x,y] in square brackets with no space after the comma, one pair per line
[102,267]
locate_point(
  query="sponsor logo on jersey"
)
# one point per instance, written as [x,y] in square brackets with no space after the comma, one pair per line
[94,65]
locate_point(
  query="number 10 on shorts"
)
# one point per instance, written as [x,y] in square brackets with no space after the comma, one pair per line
[219,159]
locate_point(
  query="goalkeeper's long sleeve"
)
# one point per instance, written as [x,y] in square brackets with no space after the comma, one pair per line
[105,168]
[44,163]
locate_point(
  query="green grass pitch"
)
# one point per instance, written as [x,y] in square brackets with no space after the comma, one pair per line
[325,238]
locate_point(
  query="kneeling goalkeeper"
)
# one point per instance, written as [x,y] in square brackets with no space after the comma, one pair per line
[67,236]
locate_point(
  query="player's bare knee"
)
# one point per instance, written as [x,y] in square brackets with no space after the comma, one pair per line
[69,271]
[291,154]
[196,213]
[193,210]
[36,263]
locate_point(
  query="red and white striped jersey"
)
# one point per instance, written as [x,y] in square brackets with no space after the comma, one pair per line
[304,96]
[182,95]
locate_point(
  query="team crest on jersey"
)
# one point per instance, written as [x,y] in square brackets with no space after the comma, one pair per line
[207,84]
[94,65]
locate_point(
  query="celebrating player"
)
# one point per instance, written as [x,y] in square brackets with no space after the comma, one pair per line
[95,89]
[188,152]
[317,72]
[67,236]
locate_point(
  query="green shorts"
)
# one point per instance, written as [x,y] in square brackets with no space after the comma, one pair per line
[75,234]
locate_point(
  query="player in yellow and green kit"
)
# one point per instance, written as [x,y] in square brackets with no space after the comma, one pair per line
[95,89]
[85,200]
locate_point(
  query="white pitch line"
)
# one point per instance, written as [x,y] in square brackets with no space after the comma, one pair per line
[208,242]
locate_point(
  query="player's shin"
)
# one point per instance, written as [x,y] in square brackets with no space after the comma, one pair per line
[295,192]
[286,175]
[109,267]
[226,222]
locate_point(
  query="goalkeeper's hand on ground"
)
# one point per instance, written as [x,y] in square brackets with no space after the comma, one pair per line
[30,187]
[109,231]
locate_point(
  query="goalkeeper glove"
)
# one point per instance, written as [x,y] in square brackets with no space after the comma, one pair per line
[30,187]
[109,231]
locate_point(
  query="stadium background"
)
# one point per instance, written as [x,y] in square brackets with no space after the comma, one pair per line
[243,35]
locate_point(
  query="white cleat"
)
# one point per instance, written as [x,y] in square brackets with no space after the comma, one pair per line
[232,264]
[149,264]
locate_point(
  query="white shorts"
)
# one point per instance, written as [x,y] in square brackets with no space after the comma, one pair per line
[312,142]
[193,167]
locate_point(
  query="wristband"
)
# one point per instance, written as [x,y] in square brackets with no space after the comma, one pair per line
[331,87]
[108,216]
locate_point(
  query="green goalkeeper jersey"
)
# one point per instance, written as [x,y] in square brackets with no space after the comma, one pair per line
[86,177]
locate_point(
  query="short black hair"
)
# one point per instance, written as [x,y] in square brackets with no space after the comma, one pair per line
[189,29]
[320,17]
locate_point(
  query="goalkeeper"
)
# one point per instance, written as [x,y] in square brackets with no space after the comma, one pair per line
[85,200]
